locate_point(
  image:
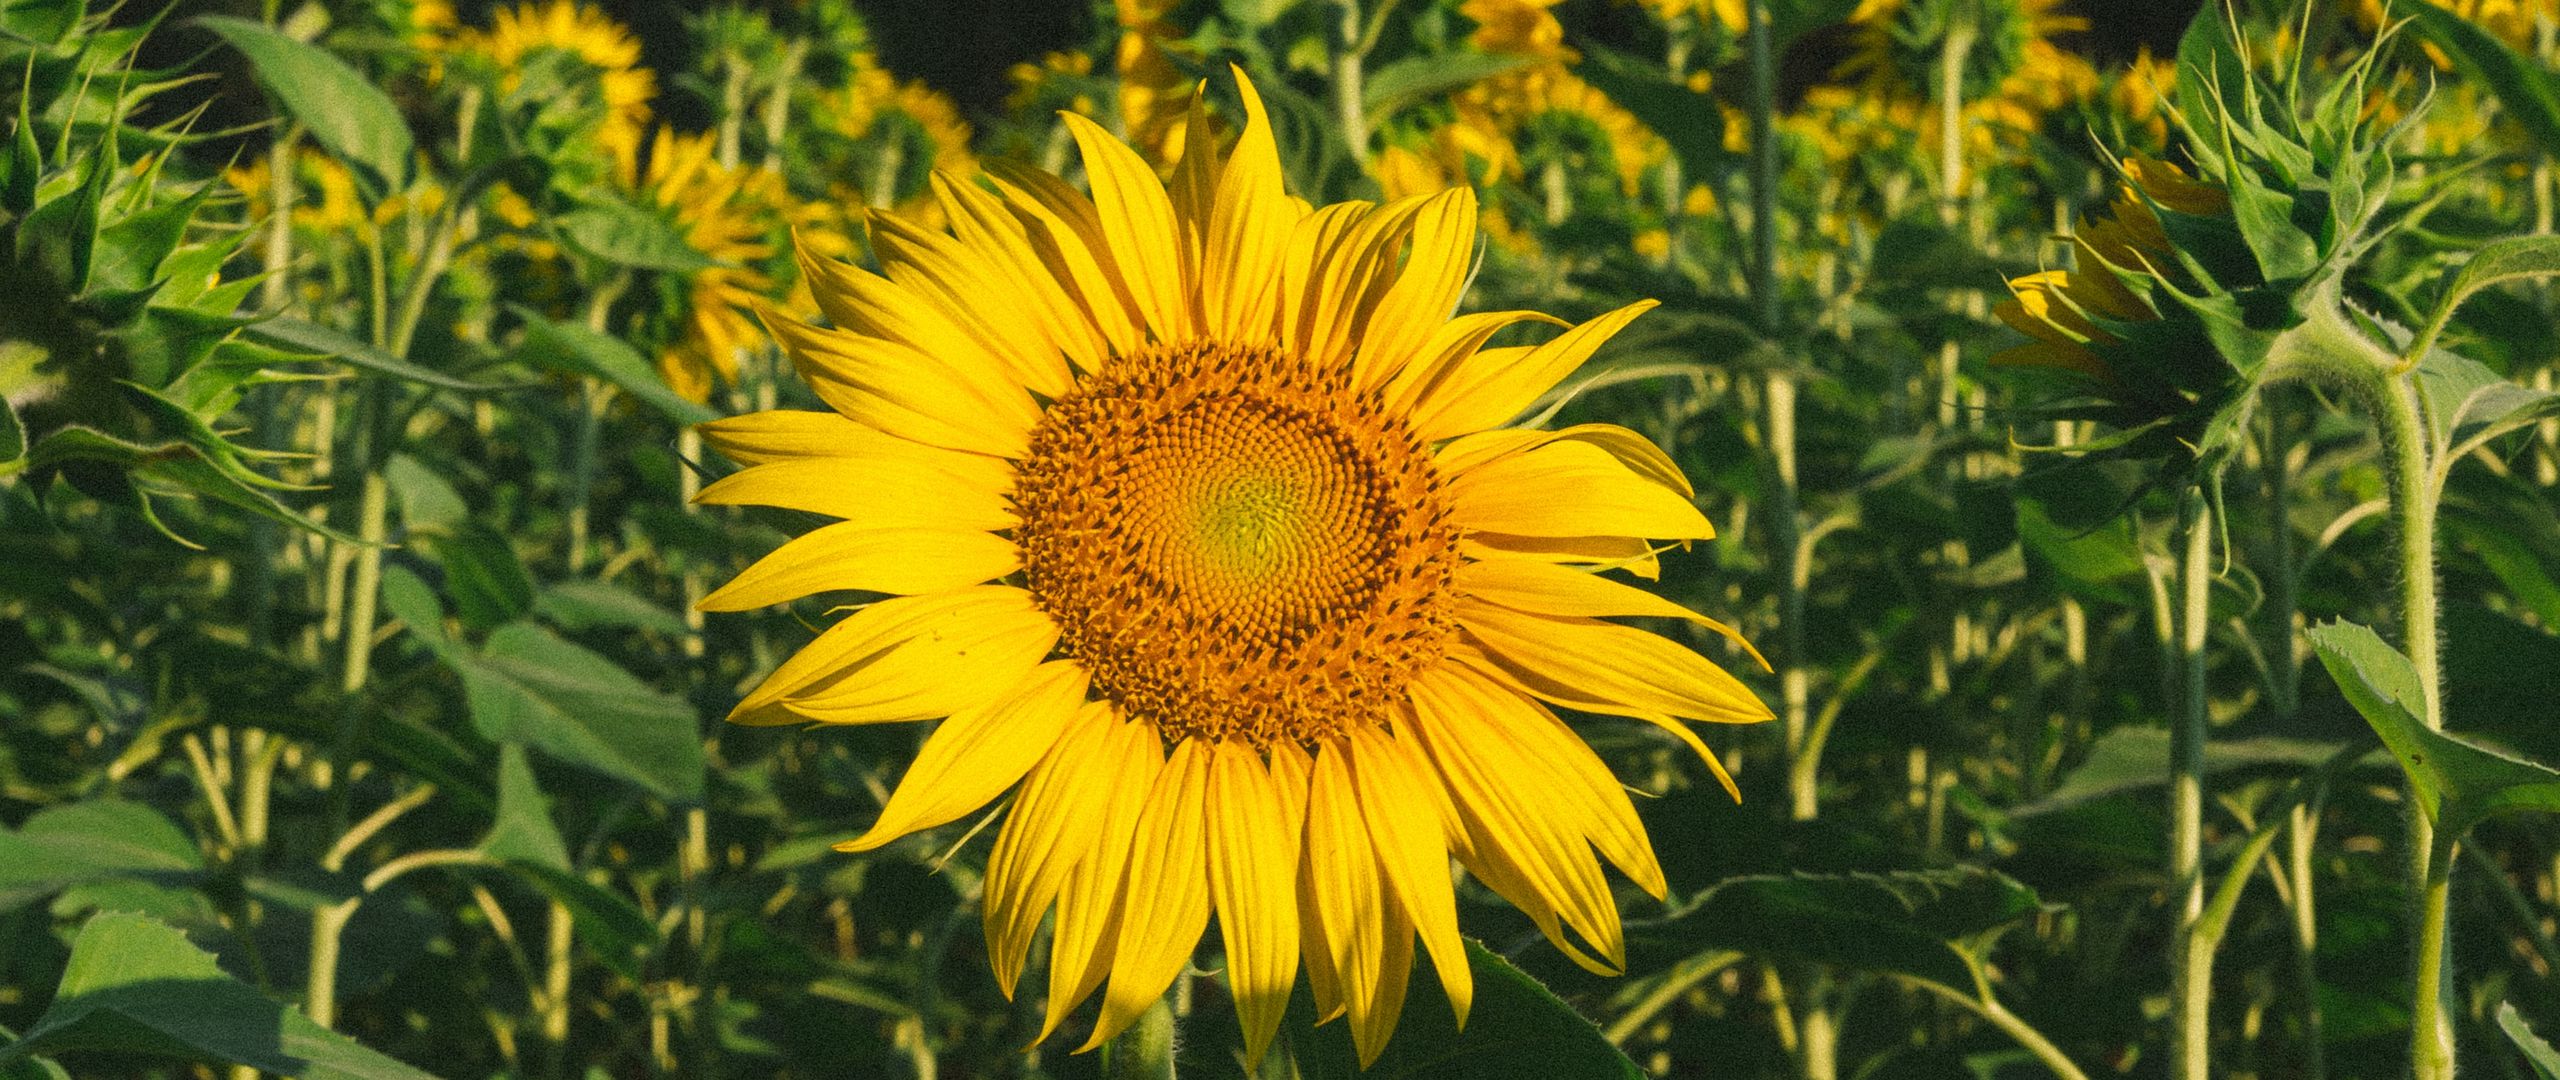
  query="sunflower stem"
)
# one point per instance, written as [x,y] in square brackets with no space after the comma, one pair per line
[2191,955]
[1350,104]
[1145,1050]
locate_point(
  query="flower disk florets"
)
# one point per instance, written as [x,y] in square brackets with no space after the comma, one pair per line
[1237,545]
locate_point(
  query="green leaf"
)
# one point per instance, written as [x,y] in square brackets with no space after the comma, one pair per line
[571,348]
[1914,922]
[316,340]
[1516,1028]
[622,234]
[587,605]
[40,21]
[97,839]
[2537,1053]
[523,832]
[428,504]
[412,601]
[2136,756]
[2526,89]
[1417,79]
[136,985]
[528,685]
[1688,120]
[2513,259]
[2456,784]
[488,584]
[345,111]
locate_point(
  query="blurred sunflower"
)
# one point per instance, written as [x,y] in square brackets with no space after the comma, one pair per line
[894,134]
[1151,107]
[2067,312]
[325,202]
[593,37]
[1206,538]
[2521,24]
[725,213]
[2012,73]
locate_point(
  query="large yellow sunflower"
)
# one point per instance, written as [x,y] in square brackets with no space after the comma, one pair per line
[1197,527]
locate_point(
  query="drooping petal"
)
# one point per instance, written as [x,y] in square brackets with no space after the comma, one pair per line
[1571,488]
[907,658]
[1087,933]
[1518,848]
[1394,786]
[1368,938]
[1474,395]
[1291,771]
[1138,223]
[1053,822]
[856,555]
[1167,895]
[909,484]
[1253,875]
[975,755]
[1545,588]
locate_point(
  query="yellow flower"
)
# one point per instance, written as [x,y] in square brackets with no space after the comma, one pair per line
[2141,94]
[1518,27]
[725,214]
[324,198]
[2013,75]
[1150,84]
[2519,23]
[1197,525]
[2055,307]
[594,38]
[909,129]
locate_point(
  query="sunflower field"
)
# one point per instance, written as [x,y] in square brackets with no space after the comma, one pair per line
[1279,539]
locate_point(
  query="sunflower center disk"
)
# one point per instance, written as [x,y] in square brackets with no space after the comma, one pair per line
[1237,546]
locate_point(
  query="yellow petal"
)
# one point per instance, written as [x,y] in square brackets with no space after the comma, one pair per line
[783,434]
[912,484]
[1066,230]
[1193,188]
[876,633]
[1632,450]
[890,386]
[957,282]
[1167,895]
[1291,770]
[1087,933]
[1425,293]
[1052,822]
[1253,874]
[1548,589]
[1519,849]
[1367,935]
[1571,488]
[1403,813]
[908,658]
[975,755]
[1248,235]
[983,223]
[1349,279]
[1589,799]
[1137,221]
[1599,552]
[1475,394]
[856,555]
[1448,345]
[930,320]
[1311,243]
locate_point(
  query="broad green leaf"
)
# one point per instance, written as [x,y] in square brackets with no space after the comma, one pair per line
[2456,784]
[2537,1052]
[523,832]
[1688,120]
[1516,1028]
[640,238]
[528,685]
[587,605]
[1914,922]
[488,584]
[40,21]
[2528,91]
[427,503]
[344,111]
[317,340]
[1418,79]
[571,348]
[98,839]
[412,601]
[135,985]
[2135,757]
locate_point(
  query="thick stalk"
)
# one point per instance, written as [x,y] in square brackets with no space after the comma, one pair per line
[1951,56]
[1350,104]
[555,988]
[2191,954]
[2405,455]
[2304,829]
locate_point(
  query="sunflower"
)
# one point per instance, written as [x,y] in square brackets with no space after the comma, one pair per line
[594,38]
[2065,311]
[725,212]
[1205,538]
